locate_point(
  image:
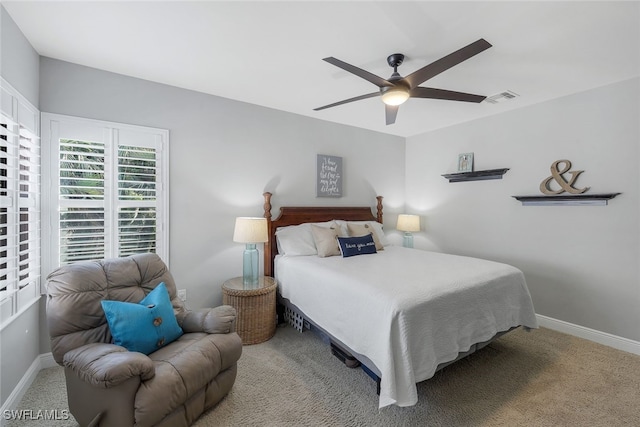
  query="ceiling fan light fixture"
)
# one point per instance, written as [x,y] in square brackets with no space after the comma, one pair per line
[395,95]
[395,90]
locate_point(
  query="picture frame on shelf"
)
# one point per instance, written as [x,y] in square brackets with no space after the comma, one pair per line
[465,162]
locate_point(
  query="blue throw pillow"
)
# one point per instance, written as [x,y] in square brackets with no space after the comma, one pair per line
[146,326]
[350,246]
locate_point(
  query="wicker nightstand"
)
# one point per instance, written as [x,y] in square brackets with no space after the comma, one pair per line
[256,307]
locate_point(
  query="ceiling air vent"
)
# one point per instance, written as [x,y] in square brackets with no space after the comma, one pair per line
[501,97]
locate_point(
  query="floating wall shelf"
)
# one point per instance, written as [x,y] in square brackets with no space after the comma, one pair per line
[476,176]
[577,199]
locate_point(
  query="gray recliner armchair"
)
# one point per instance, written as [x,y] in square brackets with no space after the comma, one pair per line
[108,385]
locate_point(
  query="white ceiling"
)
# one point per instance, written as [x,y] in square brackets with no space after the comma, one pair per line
[270,53]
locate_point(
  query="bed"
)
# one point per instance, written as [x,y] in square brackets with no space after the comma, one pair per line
[402,313]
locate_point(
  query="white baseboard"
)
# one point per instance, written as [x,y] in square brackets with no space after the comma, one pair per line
[21,388]
[41,362]
[604,338]
[46,361]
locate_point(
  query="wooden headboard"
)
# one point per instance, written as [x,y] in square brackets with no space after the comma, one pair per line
[294,215]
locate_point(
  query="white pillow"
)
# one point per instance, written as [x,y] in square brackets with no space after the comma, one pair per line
[375,224]
[297,240]
[326,240]
[359,230]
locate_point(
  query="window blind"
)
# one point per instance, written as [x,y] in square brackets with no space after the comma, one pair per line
[29,211]
[137,220]
[19,205]
[109,196]
[81,192]
[8,181]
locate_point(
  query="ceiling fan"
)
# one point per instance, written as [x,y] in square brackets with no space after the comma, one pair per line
[397,89]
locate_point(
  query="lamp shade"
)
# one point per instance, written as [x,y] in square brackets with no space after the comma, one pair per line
[250,230]
[408,222]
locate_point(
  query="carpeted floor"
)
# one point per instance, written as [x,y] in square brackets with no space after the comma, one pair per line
[542,378]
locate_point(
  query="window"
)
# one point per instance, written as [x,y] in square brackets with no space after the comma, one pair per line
[108,193]
[19,204]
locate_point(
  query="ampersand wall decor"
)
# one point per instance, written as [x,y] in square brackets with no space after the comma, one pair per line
[557,173]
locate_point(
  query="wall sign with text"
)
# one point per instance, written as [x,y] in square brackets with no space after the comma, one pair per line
[329,176]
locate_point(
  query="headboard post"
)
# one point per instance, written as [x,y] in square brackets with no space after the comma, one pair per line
[267,205]
[268,260]
[379,208]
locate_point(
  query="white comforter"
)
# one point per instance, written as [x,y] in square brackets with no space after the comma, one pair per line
[407,310]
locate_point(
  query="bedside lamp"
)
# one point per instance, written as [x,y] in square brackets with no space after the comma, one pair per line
[408,223]
[250,231]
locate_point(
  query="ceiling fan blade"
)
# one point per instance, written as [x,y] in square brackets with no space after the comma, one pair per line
[428,71]
[376,80]
[428,92]
[390,112]
[357,98]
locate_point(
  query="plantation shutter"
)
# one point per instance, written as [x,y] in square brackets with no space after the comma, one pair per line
[109,194]
[19,204]
[29,215]
[8,231]
[137,198]
[82,207]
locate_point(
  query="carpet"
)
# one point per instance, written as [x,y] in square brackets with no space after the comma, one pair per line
[538,378]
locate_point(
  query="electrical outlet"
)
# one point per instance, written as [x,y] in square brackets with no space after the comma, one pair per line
[182,294]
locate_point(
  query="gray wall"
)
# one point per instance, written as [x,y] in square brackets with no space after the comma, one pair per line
[19,341]
[19,62]
[223,155]
[581,262]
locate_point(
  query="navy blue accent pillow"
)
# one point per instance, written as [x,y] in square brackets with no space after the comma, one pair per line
[351,246]
[144,327]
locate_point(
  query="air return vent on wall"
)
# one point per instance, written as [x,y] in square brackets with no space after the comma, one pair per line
[507,95]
